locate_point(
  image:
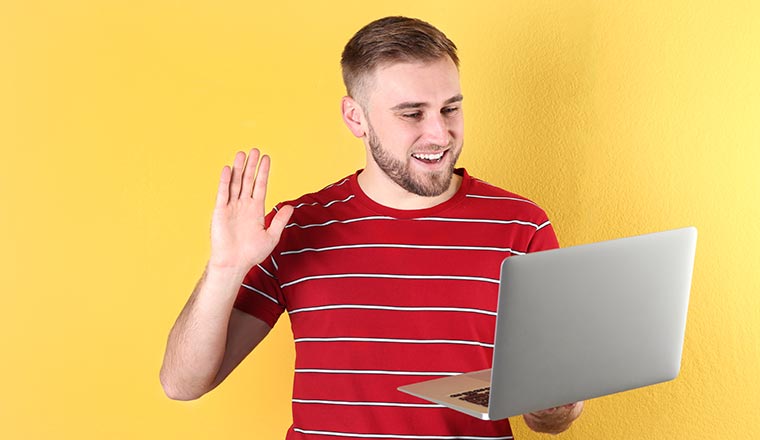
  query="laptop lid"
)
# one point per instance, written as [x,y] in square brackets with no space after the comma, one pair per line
[590,320]
[581,322]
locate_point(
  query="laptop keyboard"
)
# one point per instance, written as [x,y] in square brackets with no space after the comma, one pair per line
[478,397]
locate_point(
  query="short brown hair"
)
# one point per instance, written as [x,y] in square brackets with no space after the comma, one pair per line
[389,40]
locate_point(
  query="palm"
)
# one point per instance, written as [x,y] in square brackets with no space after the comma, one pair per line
[239,238]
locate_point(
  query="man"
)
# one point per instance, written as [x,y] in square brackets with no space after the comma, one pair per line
[388,275]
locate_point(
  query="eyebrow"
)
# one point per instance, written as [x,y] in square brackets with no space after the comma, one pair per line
[415,105]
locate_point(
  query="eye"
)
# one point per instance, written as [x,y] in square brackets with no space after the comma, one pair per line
[449,110]
[415,115]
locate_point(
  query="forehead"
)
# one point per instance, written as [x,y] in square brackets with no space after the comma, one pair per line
[431,83]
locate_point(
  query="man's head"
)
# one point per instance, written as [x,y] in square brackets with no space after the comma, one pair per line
[387,41]
[404,100]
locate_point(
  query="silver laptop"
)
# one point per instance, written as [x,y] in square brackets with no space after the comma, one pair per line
[577,323]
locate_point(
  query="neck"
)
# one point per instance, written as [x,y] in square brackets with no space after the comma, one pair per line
[381,189]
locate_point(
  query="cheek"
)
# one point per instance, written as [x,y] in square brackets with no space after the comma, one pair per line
[457,126]
[401,139]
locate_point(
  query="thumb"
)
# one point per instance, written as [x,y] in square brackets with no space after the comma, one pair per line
[279,221]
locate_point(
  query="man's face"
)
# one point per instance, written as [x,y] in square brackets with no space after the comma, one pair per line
[415,125]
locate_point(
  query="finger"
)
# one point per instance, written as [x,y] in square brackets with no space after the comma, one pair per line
[223,192]
[237,172]
[250,173]
[557,409]
[279,221]
[543,412]
[260,187]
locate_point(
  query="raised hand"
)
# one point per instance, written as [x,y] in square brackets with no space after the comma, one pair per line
[239,239]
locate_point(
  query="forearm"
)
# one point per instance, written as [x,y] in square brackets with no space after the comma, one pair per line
[197,353]
[196,344]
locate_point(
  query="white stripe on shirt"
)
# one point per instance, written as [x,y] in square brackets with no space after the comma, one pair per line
[477,196]
[392,308]
[347,403]
[439,219]
[274,263]
[391,276]
[380,372]
[261,293]
[326,205]
[266,271]
[403,246]
[477,220]
[398,341]
[351,220]
[336,184]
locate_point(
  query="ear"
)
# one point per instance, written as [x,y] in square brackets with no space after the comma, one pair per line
[353,116]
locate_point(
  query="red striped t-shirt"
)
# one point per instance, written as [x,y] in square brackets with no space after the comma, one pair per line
[380,297]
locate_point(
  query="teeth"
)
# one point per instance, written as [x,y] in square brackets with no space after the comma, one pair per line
[436,156]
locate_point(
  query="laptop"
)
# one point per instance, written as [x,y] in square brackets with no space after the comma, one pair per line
[577,323]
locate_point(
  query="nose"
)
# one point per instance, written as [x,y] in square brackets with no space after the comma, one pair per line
[437,131]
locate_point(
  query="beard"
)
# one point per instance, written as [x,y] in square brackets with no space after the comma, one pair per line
[429,184]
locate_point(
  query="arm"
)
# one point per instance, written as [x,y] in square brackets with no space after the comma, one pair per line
[554,420]
[210,338]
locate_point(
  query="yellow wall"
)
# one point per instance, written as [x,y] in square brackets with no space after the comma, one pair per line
[619,117]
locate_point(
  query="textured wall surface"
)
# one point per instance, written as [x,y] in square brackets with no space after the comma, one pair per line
[618,117]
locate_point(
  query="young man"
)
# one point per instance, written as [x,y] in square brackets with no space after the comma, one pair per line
[389,275]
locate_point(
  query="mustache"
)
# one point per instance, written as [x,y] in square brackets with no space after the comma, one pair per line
[434,148]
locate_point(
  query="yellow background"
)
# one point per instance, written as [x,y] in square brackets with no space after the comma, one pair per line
[116,117]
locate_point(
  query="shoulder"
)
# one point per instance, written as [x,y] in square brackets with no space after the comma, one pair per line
[332,193]
[482,195]
[330,202]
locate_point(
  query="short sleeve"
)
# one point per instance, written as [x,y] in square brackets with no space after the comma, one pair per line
[543,239]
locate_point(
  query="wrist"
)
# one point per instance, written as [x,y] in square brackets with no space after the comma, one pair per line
[228,273]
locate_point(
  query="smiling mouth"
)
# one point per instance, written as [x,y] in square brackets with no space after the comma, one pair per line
[429,157]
